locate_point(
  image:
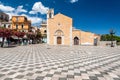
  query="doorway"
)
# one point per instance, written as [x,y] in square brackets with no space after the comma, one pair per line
[76,41]
[59,40]
[95,41]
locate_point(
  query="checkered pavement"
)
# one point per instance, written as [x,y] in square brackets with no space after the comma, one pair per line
[42,62]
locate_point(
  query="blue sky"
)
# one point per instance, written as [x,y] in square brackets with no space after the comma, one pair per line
[97,16]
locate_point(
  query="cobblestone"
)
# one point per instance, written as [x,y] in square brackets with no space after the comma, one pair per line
[42,62]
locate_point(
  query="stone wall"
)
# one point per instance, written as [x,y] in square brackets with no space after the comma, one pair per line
[106,43]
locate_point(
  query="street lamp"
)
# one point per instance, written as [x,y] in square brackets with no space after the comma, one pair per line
[112,32]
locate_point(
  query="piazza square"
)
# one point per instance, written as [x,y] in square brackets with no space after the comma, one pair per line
[60,40]
[45,62]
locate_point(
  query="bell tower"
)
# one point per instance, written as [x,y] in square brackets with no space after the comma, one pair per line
[50,13]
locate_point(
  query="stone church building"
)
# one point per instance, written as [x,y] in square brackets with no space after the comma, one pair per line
[60,31]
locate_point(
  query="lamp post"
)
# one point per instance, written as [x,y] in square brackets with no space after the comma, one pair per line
[112,32]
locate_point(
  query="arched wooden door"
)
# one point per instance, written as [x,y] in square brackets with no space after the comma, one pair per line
[59,40]
[76,41]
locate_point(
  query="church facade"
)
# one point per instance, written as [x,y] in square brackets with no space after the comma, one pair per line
[60,31]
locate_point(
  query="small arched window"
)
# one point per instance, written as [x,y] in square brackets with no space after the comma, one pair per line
[22,26]
[50,15]
[9,26]
[16,26]
[45,31]
[4,25]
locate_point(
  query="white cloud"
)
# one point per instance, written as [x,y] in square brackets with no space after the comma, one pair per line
[16,12]
[6,8]
[34,20]
[73,1]
[20,9]
[38,7]
[11,9]
[32,12]
[11,14]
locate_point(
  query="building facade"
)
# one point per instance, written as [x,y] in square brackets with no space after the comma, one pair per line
[7,24]
[43,30]
[4,20]
[4,17]
[33,29]
[84,38]
[21,23]
[60,31]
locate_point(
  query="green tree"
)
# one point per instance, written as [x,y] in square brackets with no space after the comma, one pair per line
[107,37]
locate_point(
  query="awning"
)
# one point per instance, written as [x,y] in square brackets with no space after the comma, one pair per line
[15,37]
[25,37]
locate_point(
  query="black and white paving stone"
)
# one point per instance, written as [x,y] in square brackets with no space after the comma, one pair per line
[42,62]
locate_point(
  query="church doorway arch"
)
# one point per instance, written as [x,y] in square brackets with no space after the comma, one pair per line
[59,37]
[59,40]
[76,41]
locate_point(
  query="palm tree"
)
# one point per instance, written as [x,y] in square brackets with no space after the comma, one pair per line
[112,32]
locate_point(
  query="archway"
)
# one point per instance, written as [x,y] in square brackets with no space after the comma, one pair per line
[59,37]
[59,40]
[76,41]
